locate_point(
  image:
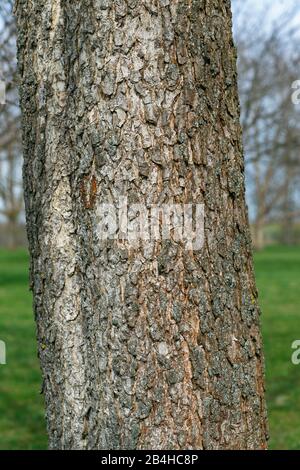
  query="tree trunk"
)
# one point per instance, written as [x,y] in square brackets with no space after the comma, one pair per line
[259,235]
[151,346]
[288,210]
[12,231]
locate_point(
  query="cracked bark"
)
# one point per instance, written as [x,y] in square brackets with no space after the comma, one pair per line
[144,348]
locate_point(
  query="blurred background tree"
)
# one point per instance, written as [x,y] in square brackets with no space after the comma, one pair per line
[269,52]
[11,199]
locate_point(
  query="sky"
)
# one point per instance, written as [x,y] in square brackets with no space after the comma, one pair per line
[274,8]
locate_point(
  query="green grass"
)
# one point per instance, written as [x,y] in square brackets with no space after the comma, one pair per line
[21,405]
[278,279]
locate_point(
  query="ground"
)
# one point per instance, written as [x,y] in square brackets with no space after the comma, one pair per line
[278,278]
[21,403]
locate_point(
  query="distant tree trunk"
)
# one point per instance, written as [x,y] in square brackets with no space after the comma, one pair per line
[259,236]
[287,227]
[141,348]
[288,210]
[12,231]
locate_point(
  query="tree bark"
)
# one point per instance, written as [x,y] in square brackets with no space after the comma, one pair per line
[151,347]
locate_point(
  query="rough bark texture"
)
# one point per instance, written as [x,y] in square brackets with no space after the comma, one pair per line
[149,347]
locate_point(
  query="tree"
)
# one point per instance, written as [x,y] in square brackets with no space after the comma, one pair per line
[268,66]
[11,197]
[152,345]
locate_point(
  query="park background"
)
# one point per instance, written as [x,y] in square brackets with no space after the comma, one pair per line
[268,42]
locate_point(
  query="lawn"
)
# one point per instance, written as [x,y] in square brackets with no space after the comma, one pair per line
[278,279]
[21,404]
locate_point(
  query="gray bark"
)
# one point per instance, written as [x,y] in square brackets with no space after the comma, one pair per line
[140,347]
